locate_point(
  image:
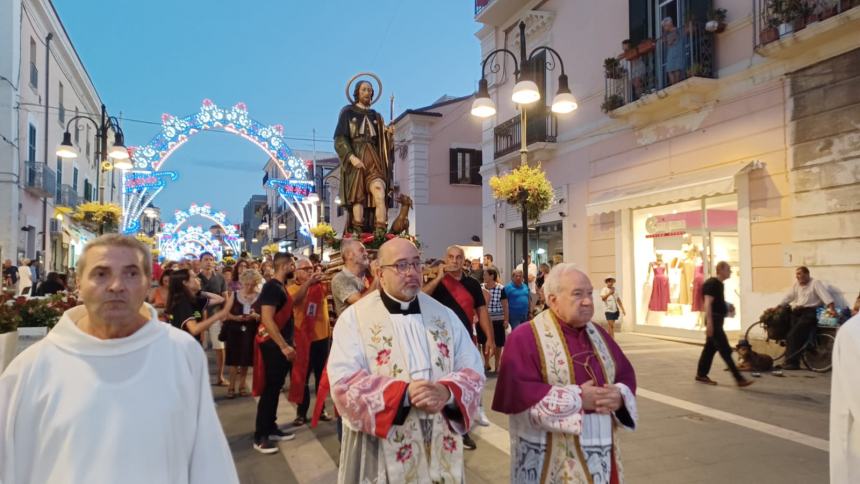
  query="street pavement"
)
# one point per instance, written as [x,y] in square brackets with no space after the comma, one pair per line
[774,431]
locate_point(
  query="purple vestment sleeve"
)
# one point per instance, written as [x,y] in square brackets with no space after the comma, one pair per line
[520,383]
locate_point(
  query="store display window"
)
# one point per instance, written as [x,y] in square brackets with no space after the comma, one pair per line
[676,248]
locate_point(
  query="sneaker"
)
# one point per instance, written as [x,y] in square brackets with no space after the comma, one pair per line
[705,380]
[279,435]
[468,443]
[482,418]
[266,447]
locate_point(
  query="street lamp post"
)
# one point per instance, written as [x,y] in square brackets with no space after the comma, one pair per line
[525,93]
[118,152]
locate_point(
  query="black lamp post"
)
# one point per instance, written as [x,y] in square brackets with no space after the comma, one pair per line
[118,152]
[525,93]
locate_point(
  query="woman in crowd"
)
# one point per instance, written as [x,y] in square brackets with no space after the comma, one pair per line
[240,267]
[240,328]
[539,280]
[186,303]
[497,306]
[52,285]
[158,295]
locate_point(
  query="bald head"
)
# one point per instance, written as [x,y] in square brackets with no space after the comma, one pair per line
[569,294]
[402,285]
[395,249]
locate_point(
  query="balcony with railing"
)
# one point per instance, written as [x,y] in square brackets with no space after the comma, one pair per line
[656,64]
[542,127]
[785,28]
[68,197]
[496,12]
[40,180]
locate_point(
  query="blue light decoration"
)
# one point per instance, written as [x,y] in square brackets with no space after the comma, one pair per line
[171,230]
[190,241]
[148,160]
[139,180]
[296,190]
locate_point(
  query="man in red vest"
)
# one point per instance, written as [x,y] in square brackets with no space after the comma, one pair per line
[312,336]
[464,296]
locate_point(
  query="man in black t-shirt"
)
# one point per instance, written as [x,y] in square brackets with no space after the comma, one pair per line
[276,351]
[716,309]
[464,296]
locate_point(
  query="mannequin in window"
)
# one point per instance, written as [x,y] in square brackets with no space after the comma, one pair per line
[688,268]
[660,285]
[698,280]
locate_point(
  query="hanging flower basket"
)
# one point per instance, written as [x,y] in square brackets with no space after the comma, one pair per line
[98,217]
[270,249]
[145,240]
[525,179]
[325,232]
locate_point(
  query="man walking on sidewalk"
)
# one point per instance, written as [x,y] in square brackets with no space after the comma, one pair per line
[716,311]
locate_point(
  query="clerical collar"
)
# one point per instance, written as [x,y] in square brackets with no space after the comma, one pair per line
[396,306]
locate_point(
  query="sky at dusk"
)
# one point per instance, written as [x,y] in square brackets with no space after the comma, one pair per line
[287,60]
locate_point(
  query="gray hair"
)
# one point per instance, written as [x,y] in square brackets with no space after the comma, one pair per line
[553,282]
[516,271]
[117,240]
[302,259]
[349,246]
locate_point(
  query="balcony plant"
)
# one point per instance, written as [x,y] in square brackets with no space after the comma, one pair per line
[524,181]
[98,217]
[716,20]
[612,68]
[612,102]
[770,32]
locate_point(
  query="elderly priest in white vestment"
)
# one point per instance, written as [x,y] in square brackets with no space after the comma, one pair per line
[407,380]
[112,395]
[845,405]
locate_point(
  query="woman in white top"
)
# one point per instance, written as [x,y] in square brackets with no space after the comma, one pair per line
[25,281]
[614,307]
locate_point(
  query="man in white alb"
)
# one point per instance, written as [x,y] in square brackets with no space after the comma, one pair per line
[112,394]
[406,378]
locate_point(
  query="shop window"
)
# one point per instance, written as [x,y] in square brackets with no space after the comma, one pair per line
[545,245]
[676,248]
[465,166]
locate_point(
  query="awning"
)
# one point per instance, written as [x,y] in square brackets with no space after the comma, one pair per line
[678,188]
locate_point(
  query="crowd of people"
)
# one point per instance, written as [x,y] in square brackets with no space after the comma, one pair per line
[403,349]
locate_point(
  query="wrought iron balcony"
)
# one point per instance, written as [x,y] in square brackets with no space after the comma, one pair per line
[657,64]
[480,5]
[68,197]
[777,19]
[40,180]
[542,128]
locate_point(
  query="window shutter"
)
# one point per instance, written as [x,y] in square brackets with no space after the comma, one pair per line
[454,177]
[638,18]
[475,167]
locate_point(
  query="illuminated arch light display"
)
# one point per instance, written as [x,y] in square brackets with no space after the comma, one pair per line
[191,240]
[146,180]
[171,230]
[294,193]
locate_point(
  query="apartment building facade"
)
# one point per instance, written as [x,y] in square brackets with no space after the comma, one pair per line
[735,140]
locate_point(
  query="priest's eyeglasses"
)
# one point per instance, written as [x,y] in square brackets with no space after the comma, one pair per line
[402,267]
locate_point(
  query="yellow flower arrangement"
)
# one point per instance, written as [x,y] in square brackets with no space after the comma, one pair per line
[531,179]
[323,231]
[98,216]
[270,249]
[145,240]
[155,252]
[228,261]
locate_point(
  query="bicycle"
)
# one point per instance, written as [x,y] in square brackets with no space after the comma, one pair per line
[816,353]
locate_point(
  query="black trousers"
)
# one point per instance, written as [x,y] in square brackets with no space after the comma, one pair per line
[803,323]
[718,343]
[277,366]
[318,355]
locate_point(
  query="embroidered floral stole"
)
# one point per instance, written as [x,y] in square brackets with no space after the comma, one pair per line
[408,456]
[565,460]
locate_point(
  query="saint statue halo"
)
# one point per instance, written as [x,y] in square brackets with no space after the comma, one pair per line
[378,92]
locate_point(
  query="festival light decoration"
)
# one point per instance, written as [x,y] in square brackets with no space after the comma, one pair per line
[145,182]
[171,230]
[189,241]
